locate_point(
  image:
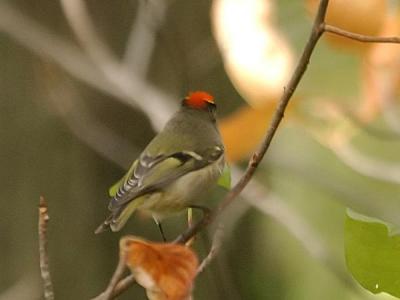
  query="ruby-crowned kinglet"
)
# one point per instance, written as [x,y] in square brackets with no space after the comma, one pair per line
[175,169]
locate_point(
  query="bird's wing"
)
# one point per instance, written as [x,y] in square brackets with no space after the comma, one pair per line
[153,173]
[113,190]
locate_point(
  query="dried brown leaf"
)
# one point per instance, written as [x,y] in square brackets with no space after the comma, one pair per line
[165,270]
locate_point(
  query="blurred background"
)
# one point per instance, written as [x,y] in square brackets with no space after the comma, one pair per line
[85,85]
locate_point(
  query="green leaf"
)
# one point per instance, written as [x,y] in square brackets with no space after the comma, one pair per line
[372,249]
[225,179]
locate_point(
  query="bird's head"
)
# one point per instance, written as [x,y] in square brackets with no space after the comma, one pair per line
[200,101]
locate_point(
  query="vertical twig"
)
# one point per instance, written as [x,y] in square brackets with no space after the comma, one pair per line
[43,255]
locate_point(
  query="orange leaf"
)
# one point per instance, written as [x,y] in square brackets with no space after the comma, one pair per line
[243,130]
[165,270]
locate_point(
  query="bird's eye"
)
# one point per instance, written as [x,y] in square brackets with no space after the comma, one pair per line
[211,106]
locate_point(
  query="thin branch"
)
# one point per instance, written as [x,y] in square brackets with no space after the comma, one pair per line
[316,32]
[131,89]
[119,78]
[360,37]
[110,292]
[229,219]
[319,27]
[268,203]
[79,20]
[215,246]
[274,207]
[123,285]
[43,255]
[44,43]
[367,166]
[65,101]
[158,106]
[271,205]
[142,38]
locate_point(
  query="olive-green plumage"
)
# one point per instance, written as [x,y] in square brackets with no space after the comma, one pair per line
[176,168]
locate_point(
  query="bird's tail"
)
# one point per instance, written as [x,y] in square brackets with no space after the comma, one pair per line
[105,225]
[119,217]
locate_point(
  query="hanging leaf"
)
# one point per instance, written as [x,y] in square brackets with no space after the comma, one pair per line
[165,270]
[372,249]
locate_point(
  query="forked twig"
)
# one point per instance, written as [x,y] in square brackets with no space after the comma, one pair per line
[215,246]
[110,291]
[360,37]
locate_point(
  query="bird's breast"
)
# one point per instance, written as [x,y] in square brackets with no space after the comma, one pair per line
[187,190]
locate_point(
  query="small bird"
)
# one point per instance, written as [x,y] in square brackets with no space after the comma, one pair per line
[175,169]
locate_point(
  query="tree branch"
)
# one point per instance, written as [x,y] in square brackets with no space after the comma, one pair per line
[111,291]
[43,255]
[134,89]
[365,165]
[123,285]
[111,68]
[316,32]
[360,37]
[319,27]
[38,39]
[142,38]
[215,246]
[127,88]
[67,103]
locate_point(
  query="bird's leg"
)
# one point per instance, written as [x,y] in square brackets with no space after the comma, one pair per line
[190,223]
[190,216]
[160,228]
[204,209]
[206,212]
